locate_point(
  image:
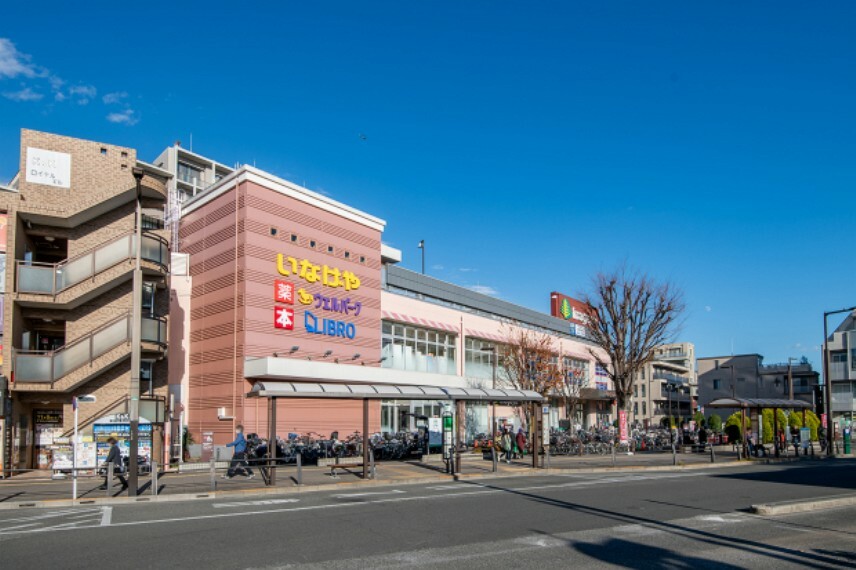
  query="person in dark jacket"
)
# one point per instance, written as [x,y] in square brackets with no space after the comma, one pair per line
[239,458]
[114,457]
[521,442]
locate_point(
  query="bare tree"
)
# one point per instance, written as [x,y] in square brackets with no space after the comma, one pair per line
[529,363]
[631,314]
[569,389]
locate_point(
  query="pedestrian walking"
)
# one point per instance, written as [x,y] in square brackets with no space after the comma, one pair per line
[521,442]
[239,457]
[115,457]
[507,445]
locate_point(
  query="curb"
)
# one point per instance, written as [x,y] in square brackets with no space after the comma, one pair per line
[263,492]
[788,507]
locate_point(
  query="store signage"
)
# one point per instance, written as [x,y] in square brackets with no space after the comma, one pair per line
[335,304]
[48,167]
[328,327]
[287,292]
[283,318]
[47,417]
[622,425]
[283,292]
[311,273]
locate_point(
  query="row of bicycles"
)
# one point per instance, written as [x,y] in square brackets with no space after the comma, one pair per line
[602,442]
[312,447]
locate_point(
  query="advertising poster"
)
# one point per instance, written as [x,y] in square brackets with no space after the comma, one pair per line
[4,219]
[622,425]
[435,431]
[122,433]
[47,426]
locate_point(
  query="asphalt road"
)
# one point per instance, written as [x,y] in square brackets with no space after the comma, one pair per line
[688,519]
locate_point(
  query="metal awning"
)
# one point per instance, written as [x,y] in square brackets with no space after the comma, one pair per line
[266,389]
[757,403]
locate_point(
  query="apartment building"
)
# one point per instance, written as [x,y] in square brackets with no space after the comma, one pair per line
[842,370]
[746,376]
[666,386]
[70,255]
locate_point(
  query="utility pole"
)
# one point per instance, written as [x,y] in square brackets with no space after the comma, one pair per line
[827,381]
[136,339]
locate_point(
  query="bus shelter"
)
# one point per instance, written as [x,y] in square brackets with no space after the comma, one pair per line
[273,391]
[759,404]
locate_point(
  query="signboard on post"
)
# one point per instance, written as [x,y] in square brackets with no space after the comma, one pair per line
[622,425]
[435,431]
[805,437]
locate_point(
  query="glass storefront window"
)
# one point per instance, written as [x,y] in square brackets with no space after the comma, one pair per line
[478,359]
[407,347]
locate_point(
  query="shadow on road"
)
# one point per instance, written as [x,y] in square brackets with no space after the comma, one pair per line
[629,559]
[817,473]
[633,555]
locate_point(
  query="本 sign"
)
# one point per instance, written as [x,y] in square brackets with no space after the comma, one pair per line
[48,167]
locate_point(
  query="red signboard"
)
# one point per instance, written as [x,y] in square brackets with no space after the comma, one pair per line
[622,425]
[283,292]
[283,318]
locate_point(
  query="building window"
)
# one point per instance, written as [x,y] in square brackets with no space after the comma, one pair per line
[644,410]
[717,384]
[635,409]
[312,243]
[478,359]
[408,347]
[643,390]
[347,255]
[329,249]
[635,390]
[362,259]
[273,231]
[149,290]
[189,174]
[577,371]
[147,377]
[293,238]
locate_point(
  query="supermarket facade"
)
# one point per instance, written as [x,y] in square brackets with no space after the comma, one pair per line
[247,278]
[288,285]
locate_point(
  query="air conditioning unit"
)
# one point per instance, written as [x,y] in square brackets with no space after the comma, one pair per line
[221,414]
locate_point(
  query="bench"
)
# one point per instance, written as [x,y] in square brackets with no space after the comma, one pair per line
[345,466]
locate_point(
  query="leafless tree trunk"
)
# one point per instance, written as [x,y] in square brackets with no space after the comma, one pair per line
[569,389]
[631,314]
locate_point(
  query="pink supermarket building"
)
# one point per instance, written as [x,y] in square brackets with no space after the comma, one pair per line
[272,282]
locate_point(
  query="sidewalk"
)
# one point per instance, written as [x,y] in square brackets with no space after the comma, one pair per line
[26,491]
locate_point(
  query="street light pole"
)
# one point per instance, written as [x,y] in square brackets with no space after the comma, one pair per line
[422,247]
[136,339]
[790,379]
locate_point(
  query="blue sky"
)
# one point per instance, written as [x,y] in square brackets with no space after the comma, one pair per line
[529,144]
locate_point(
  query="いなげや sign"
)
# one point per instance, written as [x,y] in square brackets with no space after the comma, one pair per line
[283,318]
[311,273]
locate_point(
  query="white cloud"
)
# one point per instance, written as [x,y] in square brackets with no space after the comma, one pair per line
[708,308]
[467,269]
[82,94]
[437,267]
[14,63]
[113,98]
[126,117]
[484,290]
[25,94]
[40,80]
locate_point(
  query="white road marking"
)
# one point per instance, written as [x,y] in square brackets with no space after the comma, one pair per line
[106,515]
[254,503]
[485,490]
[354,495]
[17,527]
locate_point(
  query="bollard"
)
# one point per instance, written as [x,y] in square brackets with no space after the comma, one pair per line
[493,458]
[109,477]
[155,478]
[547,456]
[674,457]
[712,455]
[213,473]
[613,455]
[299,469]
[372,464]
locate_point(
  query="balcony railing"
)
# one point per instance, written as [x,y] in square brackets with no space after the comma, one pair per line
[838,371]
[53,278]
[49,366]
[671,378]
[671,356]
